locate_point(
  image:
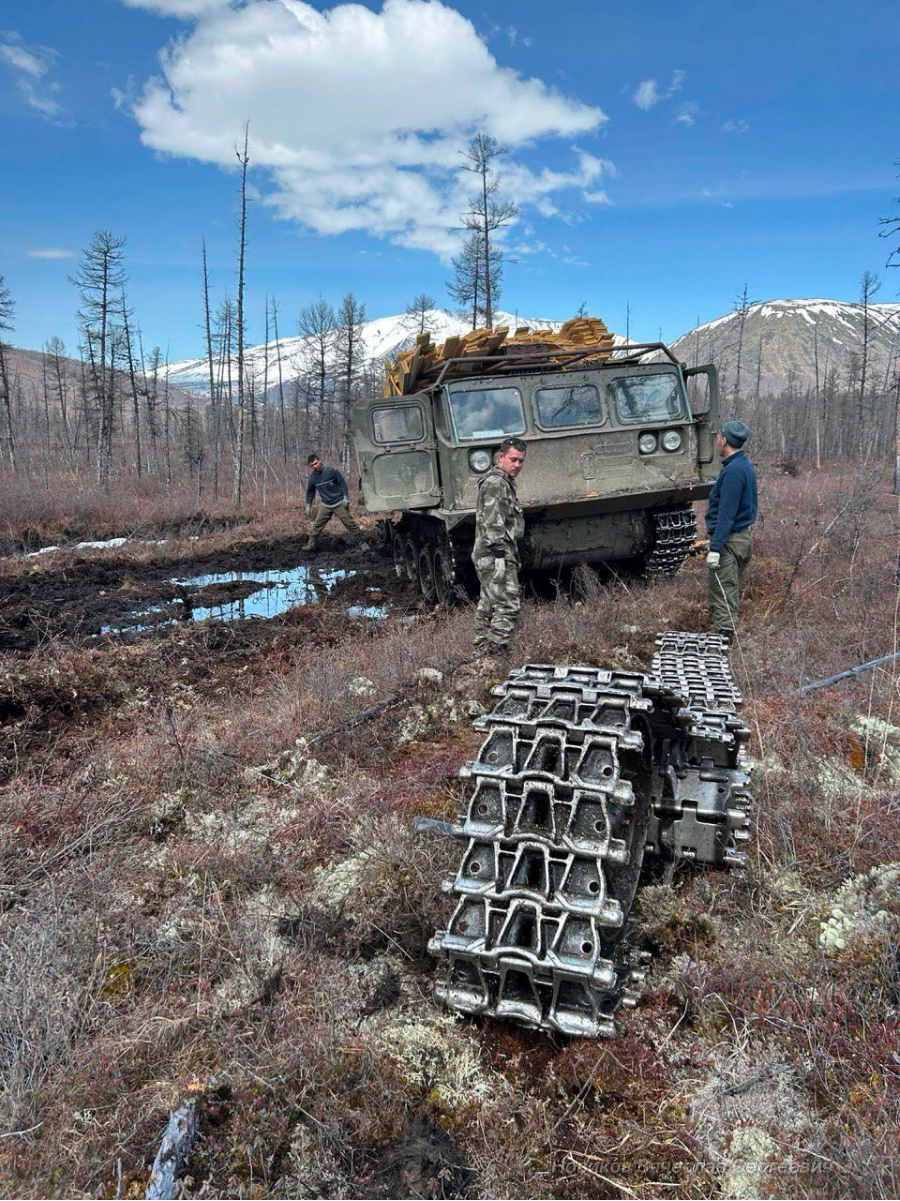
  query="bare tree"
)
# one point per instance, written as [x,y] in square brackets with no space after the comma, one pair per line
[215,398]
[7,311]
[243,158]
[467,285]
[132,379]
[418,313]
[349,358]
[868,287]
[55,349]
[317,327]
[99,279]
[486,212]
[741,306]
[280,389]
[892,229]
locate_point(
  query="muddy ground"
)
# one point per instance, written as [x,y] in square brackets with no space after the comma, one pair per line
[85,596]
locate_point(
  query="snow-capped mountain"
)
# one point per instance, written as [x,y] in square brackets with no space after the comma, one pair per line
[783,340]
[382,338]
[778,349]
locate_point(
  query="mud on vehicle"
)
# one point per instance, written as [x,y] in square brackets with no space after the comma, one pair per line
[618,449]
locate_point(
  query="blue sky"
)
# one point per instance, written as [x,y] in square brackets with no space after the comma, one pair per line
[662,155]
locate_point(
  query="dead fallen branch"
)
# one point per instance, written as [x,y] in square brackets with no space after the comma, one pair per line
[174,1152]
[846,675]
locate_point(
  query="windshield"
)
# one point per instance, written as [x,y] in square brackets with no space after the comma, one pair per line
[578,405]
[488,413]
[647,397]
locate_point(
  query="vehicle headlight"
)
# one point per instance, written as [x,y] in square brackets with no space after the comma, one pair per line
[671,440]
[647,444]
[479,460]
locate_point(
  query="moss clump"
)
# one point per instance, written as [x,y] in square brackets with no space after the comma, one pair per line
[669,923]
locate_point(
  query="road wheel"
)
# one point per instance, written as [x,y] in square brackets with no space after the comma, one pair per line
[445,593]
[411,560]
[399,555]
[426,576]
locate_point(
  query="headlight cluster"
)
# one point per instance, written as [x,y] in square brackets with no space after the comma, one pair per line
[479,460]
[671,441]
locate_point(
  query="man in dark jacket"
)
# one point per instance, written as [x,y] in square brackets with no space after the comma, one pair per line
[729,520]
[334,498]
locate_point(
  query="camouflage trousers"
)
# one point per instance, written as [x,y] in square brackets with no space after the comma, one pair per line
[324,513]
[724,581]
[497,614]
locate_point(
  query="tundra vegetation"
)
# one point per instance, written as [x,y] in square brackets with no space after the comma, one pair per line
[201,898]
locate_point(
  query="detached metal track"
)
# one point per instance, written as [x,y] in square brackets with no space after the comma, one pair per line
[582,772]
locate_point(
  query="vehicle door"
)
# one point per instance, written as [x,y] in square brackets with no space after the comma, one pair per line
[395,447]
[702,384]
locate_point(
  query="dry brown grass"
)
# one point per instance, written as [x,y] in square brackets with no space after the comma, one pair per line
[174,918]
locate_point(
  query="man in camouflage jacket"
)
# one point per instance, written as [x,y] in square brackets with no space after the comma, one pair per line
[499,524]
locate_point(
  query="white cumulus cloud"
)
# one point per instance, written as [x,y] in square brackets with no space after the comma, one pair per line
[648,93]
[30,67]
[687,112]
[358,116]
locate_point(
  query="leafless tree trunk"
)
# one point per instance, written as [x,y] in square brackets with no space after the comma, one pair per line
[417,312]
[100,276]
[7,309]
[215,398]
[350,320]
[486,214]
[243,159]
[868,286]
[284,452]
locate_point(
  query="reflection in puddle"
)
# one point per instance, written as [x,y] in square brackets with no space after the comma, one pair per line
[278,592]
[370,612]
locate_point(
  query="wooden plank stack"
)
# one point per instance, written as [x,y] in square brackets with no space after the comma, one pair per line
[415,369]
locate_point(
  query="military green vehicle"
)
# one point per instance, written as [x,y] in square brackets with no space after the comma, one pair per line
[618,449]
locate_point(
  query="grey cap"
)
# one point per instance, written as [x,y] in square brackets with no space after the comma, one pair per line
[735,433]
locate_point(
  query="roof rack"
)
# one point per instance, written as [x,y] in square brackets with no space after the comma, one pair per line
[528,359]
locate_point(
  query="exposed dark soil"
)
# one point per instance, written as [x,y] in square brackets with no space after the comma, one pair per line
[90,593]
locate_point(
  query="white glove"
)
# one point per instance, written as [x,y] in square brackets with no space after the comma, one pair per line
[713,559]
[499,570]
[346,503]
[308,510]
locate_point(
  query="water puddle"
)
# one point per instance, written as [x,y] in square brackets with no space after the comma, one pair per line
[276,592]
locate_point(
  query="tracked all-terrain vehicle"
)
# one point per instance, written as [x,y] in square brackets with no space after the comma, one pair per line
[618,449]
[582,774]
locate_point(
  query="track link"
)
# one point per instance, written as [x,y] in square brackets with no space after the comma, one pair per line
[674,533]
[582,771]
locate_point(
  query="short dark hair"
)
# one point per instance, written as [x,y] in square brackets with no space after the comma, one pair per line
[311,459]
[509,444]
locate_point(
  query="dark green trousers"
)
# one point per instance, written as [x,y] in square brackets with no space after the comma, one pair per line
[724,581]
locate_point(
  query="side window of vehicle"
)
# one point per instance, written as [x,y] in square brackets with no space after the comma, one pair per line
[397,423]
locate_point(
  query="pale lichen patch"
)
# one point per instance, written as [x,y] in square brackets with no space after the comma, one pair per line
[293,766]
[751,1151]
[430,1054]
[866,905]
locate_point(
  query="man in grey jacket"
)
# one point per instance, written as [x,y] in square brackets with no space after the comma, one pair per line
[334,500]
